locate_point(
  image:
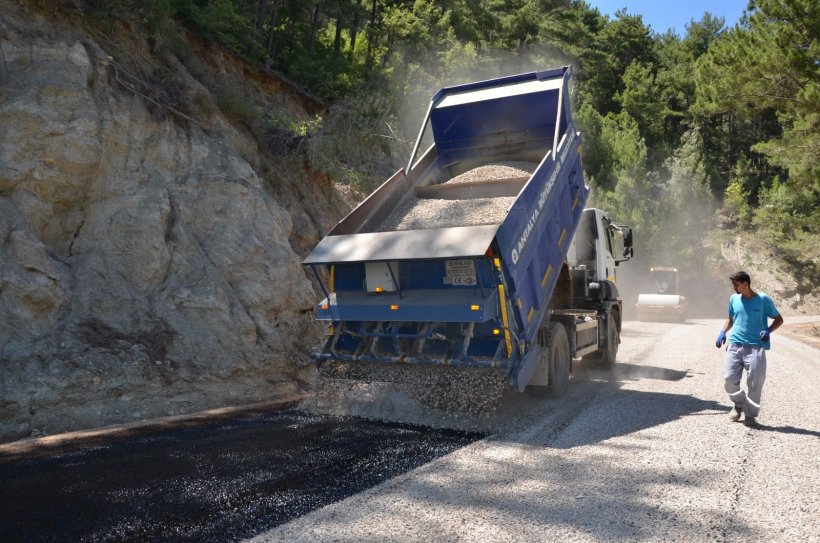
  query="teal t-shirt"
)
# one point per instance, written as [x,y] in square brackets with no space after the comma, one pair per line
[750,316]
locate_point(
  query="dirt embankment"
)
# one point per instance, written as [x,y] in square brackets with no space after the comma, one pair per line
[805,332]
[793,293]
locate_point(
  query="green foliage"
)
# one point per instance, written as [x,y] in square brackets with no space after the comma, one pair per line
[306,128]
[788,220]
[736,203]
[673,126]
[641,100]
[624,187]
[620,43]
[762,80]
[675,83]
[613,146]
[624,145]
[217,19]
[357,142]
[784,209]
[153,15]
[596,156]
[773,64]
[687,205]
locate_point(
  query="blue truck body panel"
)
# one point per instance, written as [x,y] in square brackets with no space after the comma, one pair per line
[415,305]
[471,121]
[471,295]
[535,236]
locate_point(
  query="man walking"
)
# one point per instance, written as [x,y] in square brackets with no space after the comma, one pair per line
[749,314]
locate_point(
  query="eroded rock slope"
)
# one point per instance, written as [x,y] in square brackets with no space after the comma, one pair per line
[145,264]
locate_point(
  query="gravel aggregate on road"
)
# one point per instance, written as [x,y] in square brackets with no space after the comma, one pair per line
[646,453]
[214,480]
[463,398]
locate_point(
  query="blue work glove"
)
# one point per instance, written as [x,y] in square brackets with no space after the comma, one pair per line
[764,335]
[721,339]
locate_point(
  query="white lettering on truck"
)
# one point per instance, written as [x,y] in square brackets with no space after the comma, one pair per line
[542,200]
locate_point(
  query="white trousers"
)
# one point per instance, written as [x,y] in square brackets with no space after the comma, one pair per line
[753,360]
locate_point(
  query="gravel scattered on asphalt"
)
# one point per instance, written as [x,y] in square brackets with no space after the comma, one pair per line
[211,482]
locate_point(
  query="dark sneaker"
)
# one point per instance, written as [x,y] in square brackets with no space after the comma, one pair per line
[734,414]
[750,421]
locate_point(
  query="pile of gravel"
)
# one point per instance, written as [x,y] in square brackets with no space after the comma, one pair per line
[423,213]
[499,170]
[437,396]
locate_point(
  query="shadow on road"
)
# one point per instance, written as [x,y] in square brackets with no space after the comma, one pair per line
[787,430]
[633,412]
[539,482]
[635,371]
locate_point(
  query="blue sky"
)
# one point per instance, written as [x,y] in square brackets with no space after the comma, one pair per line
[662,15]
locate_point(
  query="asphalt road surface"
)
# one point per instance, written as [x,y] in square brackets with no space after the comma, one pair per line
[212,481]
[644,453]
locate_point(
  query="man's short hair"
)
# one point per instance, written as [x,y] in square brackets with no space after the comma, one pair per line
[741,277]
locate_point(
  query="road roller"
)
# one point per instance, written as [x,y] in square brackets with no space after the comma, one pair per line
[665,303]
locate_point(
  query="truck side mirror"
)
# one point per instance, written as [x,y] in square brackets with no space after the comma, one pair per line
[626,232]
[627,238]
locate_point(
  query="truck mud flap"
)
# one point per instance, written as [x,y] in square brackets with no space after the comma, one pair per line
[520,376]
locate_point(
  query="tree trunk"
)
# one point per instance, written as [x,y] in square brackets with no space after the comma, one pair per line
[314,26]
[274,20]
[354,29]
[368,63]
[337,40]
[261,12]
[261,8]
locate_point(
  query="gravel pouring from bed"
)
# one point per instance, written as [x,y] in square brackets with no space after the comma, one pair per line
[452,397]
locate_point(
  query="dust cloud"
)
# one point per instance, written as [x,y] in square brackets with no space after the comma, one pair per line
[466,66]
[674,225]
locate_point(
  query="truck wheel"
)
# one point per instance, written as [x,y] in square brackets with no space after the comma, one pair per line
[559,363]
[606,356]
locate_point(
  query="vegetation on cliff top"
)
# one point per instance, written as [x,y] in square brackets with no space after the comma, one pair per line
[714,131]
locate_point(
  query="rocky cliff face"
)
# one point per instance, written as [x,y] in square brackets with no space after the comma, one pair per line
[145,264]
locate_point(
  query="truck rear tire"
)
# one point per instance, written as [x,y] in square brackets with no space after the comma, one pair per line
[605,356]
[559,362]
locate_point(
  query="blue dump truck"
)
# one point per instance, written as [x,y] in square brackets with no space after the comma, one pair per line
[526,290]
